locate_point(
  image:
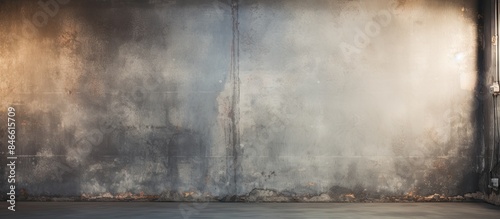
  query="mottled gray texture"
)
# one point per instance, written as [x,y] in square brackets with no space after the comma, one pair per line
[121,98]
[394,118]
[211,99]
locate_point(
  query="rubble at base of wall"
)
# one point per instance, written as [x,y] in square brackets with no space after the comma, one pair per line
[266,195]
[493,199]
[263,195]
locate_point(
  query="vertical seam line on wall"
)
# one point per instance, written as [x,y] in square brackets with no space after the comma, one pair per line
[235,53]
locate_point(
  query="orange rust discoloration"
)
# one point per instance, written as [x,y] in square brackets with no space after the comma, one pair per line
[119,197]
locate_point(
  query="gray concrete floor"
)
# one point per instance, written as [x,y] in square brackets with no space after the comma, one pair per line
[248,210]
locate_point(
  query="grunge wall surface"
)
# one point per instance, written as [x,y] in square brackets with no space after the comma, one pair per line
[241,100]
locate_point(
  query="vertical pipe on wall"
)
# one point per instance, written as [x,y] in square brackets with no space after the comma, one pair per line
[496,38]
[495,149]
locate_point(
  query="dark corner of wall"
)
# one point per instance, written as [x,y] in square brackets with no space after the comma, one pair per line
[486,139]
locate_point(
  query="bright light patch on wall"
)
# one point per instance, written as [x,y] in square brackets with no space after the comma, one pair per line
[459,57]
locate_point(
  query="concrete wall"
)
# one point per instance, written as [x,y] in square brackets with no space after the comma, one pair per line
[250,100]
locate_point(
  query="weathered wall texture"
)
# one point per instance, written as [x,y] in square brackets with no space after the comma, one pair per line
[392,115]
[119,98]
[176,100]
